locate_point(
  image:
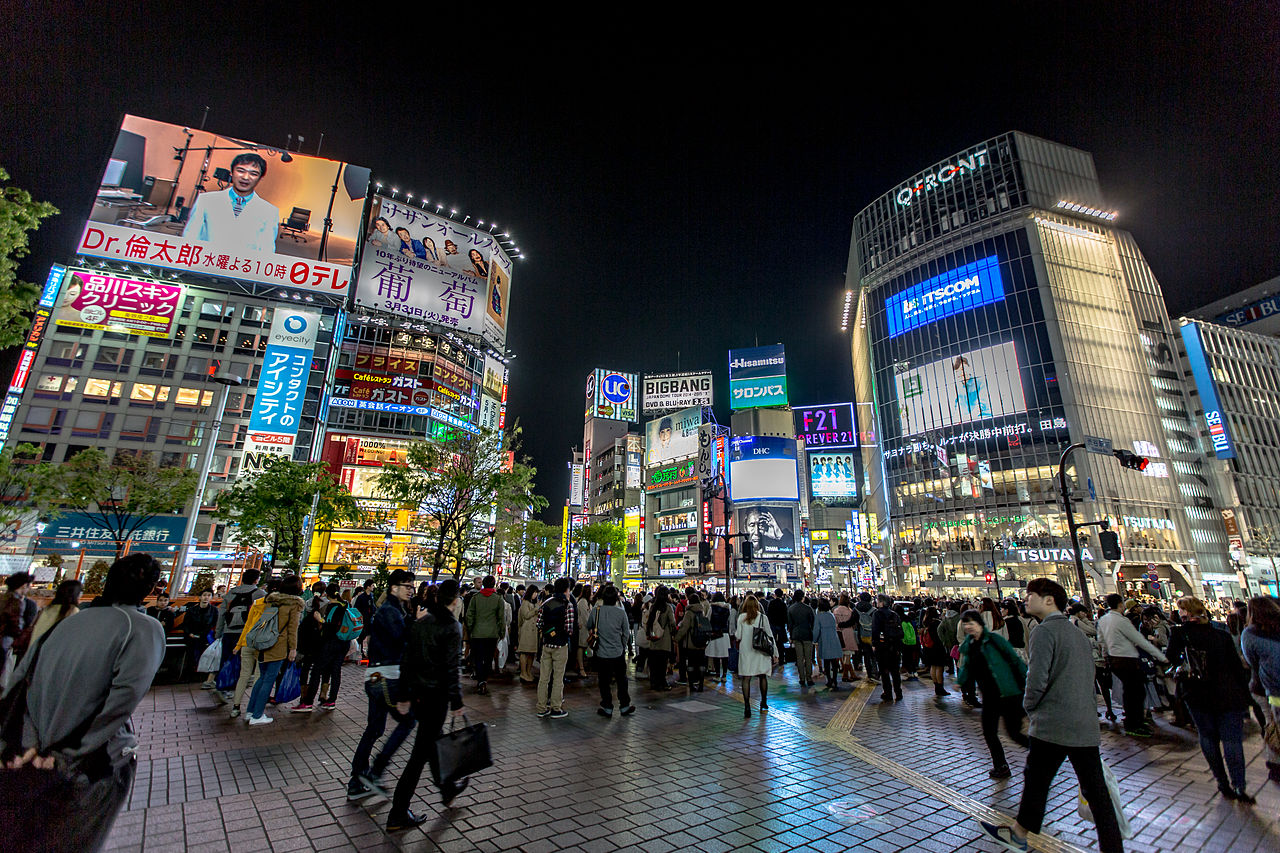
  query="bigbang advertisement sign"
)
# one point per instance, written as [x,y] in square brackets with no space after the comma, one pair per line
[673,436]
[668,391]
[228,207]
[429,267]
[952,292]
[968,387]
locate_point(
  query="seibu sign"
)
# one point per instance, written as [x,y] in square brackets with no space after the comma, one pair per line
[930,181]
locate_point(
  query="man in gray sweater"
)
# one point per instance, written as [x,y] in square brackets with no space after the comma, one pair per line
[612,628]
[87,674]
[1064,722]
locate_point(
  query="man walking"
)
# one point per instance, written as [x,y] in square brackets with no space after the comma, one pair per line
[1059,700]
[556,624]
[886,641]
[776,611]
[1120,642]
[485,623]
[232,614]
[865,610]
[800,618]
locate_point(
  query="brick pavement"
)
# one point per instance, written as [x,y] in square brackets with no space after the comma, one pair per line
[820,773]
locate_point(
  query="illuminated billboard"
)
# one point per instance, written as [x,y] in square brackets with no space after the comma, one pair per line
[281,387]
[98,301]
[673,436]
[666,391]
[675,474]
[431,268]
[832,477]
[681,521]
[771,530]
[763,468]
[1215,421]
[758,377]
[196,201]
[954,291]
[971,386]
[829,426]
[611,395]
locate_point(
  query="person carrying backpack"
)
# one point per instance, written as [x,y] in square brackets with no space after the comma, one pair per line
[717,651]
[232,613]
[865,611]
[693,635]
[557,619]
[273,638]
[910,642]
[886,642]
[341,623]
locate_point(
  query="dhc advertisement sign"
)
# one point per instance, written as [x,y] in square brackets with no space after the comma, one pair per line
[970,286]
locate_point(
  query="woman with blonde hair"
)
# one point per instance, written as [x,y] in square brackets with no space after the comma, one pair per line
[753,661]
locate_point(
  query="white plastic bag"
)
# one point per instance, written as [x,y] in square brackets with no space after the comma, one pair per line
[211,660]
[1082,805]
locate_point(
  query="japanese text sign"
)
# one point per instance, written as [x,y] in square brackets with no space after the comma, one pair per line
[93,301]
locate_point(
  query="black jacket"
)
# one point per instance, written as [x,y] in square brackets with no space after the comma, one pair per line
[776,610]
[433,658]
[198,621]
[1224,685]
[882,634]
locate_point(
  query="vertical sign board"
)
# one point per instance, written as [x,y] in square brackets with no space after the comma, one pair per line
[282,385]
[27,357]
[706,455]
[1215,421]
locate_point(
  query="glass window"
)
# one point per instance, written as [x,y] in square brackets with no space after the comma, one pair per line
[155,360]
[102,389]
[50,382]
[142,393]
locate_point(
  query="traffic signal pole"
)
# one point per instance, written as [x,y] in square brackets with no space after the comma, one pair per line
[1081,577]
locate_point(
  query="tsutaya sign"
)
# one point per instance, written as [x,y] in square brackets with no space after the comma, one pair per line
[930,181]
[1051,555]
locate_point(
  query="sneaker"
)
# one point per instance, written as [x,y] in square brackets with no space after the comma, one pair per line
[208,685]
[221,696]
[1001,772]
[629,710]
[559,714]
[448,795]
[260,721]
[357,790]
[408,820]
[328,706]
[1003,835]
[545,713]
[605,712]
[373,781]
[300,708]
[235,712]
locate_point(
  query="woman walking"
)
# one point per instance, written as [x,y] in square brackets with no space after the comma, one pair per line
[527,634]
[826,639]
[288,605]
[987,659]
[722,616]
[1260,641]
[659,625]
[692,643]
[1215,687]
[753,662]
[936,654]
[847,623]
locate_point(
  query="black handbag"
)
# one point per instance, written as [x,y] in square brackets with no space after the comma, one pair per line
[762,641]
[461,752]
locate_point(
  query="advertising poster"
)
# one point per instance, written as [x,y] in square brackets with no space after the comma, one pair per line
[428,267]
[490,412]
[683,521]
[960,289]
[832,477]
[282,386]
[611,395]
[830,426]
[494,371]
[757,377]
[193,200]
[771,530]
[673,436]
[763,468]
[95,301]
[971,386]
[156,534]
[667,391]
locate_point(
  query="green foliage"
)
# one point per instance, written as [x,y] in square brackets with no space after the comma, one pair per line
[121,495]
[341,573]
[528,545]
[381,576]
[203,580]
[25,483]
[96,577]
[269,508]
[19,214]
[604,535]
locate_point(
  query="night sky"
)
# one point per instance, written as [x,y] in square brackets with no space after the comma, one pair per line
[679,185]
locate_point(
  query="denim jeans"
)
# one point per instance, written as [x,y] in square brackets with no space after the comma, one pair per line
[1222,734]
[262,689]
[375,726]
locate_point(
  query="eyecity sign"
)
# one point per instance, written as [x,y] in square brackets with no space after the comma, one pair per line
[944,174]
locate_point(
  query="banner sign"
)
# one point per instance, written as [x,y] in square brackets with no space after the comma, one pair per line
[673,475]
[673,436]
[611,395]
[1215,421]
[381,387]
[757,377]
[93,301]
[156,534]
[428,267]
[683,521]
[282,385]
[830,426]
[666,391]
[965,287]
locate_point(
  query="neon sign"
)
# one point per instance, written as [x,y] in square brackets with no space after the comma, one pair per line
[960,289]
[930,181]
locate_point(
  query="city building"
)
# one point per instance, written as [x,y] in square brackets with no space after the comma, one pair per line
[997,316]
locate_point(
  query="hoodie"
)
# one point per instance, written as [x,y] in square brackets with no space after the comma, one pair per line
[484,618]
[234,608]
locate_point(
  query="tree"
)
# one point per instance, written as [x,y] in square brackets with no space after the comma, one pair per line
[25,484]
[270,508]
[121,495]
[527,542]
[96,577]
[606,536]
[453,483]
[19,214]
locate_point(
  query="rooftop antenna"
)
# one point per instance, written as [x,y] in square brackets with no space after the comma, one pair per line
[204,118]
[321,143]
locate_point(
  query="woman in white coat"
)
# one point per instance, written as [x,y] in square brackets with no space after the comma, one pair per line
[751,662]
[722,614]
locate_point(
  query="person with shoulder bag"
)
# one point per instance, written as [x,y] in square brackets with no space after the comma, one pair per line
[757,652]
[659,624]
[67,742]
[693,635]
[609,632]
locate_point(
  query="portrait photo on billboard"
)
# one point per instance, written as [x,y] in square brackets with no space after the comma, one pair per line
[225,197]
[673,436]
[771,530]
[95,300]
[969,386]
[429,267]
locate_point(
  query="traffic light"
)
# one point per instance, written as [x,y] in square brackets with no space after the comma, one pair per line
[704,552]
[748,552]
[1119,576]
[1131,460]
[215,364]
[989,577]
[1110,543]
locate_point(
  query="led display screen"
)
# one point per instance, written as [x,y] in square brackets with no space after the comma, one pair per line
[829,426]
[971,386]
[673,436]
[763,468]
[832,476]
[951,292]
[771,530]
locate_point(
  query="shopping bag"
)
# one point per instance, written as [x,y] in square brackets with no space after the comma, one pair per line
[210,659]
[461,752]
[1082,805]
[290,684]
[229,674]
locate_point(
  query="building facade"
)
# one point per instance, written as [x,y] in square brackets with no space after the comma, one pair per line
[998,317]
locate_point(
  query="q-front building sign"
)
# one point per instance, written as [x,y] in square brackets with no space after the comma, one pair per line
[944,174]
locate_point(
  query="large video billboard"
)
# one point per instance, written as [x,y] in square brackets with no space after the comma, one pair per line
[771,530]
[968,387]
[611,395]
[832,477]
[763,468]
[960,289]
[666,391]
[673,436]
[196,201]
[757,377]
[421,265]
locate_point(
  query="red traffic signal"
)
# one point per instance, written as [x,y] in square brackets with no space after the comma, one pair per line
[989,577]
[1131,460]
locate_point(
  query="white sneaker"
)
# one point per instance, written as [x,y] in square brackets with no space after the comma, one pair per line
[260,721]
